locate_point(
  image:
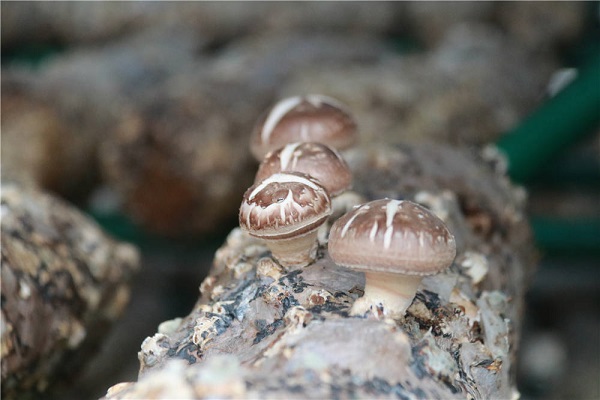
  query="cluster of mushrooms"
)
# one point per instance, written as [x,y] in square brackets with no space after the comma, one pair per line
[299,193]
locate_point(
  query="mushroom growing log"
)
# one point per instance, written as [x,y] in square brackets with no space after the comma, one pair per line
[63,283]
[261,332]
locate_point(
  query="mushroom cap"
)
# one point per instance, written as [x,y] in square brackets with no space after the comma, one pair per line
[310,118]
[392,236]
[283,206]
[315,159]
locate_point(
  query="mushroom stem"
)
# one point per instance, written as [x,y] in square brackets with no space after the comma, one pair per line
[344,202]
[392,292]
[340,205]
[295,252]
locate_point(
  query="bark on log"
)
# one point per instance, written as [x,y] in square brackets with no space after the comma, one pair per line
[261,332]
[63,283]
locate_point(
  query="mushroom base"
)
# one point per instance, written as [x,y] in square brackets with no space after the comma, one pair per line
[295,252]
[392,293]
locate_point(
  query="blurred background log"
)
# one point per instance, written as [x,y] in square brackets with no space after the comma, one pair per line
[165,117]
[64,282]
[539,28]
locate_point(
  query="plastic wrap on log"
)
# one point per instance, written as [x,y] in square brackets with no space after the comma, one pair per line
[63,282]
[259,331]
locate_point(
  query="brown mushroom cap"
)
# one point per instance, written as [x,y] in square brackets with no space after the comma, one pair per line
[283,206]
[315,159]
[311,118]
[392,236]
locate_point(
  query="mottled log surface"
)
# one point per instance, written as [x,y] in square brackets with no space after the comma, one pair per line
[63,283]
[261,332]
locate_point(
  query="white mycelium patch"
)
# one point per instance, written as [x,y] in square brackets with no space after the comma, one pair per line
[286,155]
[278,112]
[437,204]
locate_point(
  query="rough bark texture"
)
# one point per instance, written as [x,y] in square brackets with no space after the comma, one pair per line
[261,332]
[63,282]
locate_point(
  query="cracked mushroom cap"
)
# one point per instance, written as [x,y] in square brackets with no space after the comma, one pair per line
[392,236]
[310,118]
[315,159]
[283,206]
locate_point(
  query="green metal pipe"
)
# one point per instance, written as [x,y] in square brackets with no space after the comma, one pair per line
[574,237]
[561,121]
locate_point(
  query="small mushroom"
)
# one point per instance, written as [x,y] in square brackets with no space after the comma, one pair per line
[286,210]
[311,118]
[395,243]
[315,159]
[321,162]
